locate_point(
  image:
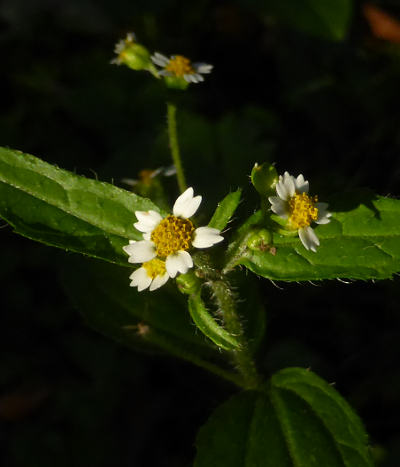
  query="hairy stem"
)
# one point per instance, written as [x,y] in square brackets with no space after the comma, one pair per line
[174,145]
[243,358]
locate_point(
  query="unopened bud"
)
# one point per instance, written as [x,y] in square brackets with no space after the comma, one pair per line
[264,178]
[261,240]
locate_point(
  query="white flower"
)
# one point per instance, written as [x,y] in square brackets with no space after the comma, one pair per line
[169,239]
[152,274]
[294,204]
[120,47]
[181,67]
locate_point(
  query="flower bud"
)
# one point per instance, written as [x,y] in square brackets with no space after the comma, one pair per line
[264,178]
[132,54]
[260,240]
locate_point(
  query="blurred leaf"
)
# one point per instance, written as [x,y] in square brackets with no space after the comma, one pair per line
[299,420]
[328,19]
[361,242]
[61,209]
[208,326]
[142,321]
[225,210]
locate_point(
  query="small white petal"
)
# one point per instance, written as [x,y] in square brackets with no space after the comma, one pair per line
[309,239]
[323,214]
[159,281]
[160,59]
[148,220]
[302,186]
[202,67]
[281,190]
[323,219]
[186,205]
[193,78]
[140,252]
[278,206]
[128,248]
[205,237]
[140,279]
[289,183]
[180,261]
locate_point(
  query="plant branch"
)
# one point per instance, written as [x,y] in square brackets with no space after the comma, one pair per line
[226,302]
[174,145]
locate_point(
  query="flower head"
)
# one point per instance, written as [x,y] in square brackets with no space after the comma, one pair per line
[299,209]
[152,274]
[132,54]
[168,240]
[180,69]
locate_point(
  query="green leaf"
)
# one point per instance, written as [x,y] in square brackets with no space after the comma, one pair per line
[59,208]
[328,19]
[143,321]
[225,210]
[208,326]
[362,241]
[299,420]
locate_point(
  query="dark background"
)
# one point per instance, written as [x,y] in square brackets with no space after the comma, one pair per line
[279,92]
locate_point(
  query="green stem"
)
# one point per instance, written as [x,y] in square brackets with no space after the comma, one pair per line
[243,358]
[174,145]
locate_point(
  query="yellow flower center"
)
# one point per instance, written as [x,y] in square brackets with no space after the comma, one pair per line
[171,235]
[154,268]
[302,210]
[180,66]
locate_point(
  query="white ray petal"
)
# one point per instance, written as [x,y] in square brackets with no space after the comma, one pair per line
[140,279]
[128,248]
[289,183]
[205,237]
[278,206]
[186,205]
[203,67]
[302,186]
[178,262]
[140,252]
[148,220]
[323,214]
[159,281]
[309,239]
[281,190]
[159,59]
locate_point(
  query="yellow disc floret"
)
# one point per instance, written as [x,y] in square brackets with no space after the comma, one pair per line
[180,66]
[302,210]
[171,235]
[154,268]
